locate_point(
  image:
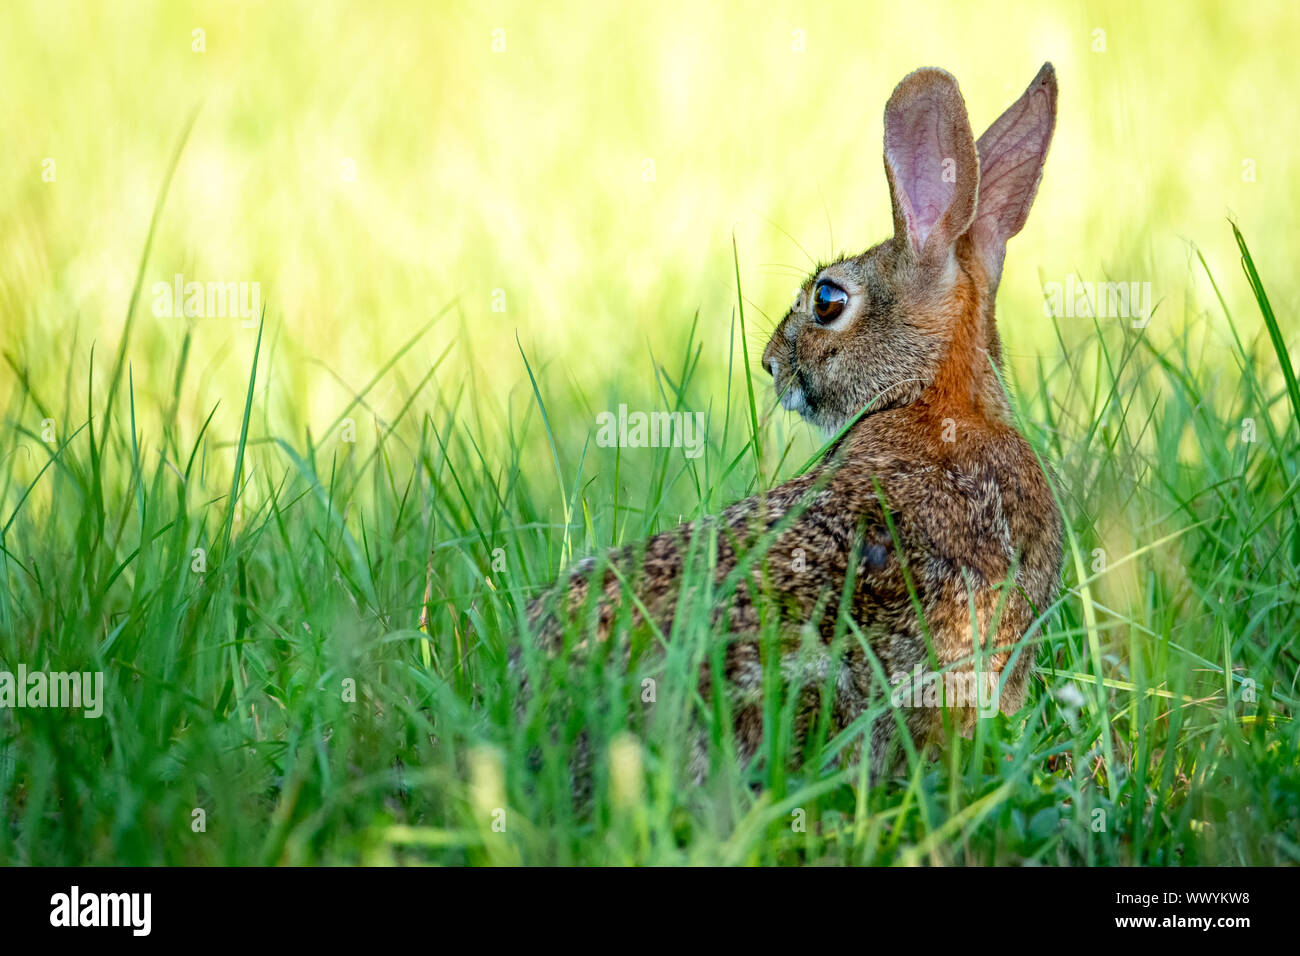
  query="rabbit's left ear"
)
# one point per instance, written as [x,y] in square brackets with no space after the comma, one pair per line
[931,163]
[1012,152]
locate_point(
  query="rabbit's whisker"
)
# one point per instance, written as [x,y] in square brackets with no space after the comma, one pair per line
[796,242]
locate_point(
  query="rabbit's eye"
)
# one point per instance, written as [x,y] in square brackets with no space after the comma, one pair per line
[829,301]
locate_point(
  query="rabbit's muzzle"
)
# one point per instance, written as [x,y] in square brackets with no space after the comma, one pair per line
[791,389]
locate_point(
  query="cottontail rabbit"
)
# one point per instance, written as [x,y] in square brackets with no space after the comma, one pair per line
[932,508]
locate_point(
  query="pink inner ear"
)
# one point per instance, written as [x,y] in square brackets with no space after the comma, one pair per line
[915,149]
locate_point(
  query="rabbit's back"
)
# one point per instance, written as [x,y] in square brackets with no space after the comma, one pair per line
[922,535]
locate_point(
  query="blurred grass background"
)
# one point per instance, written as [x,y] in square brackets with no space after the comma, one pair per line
[524,171]
[373,166]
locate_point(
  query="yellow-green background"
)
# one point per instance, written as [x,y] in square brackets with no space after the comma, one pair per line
[523,170]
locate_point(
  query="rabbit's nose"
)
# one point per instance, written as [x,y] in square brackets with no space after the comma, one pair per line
[771,366]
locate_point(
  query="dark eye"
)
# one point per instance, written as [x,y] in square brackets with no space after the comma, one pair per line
[828,301]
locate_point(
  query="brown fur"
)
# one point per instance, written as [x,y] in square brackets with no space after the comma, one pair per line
[974,520]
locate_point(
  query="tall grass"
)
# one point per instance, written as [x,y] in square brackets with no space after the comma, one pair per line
[235,592]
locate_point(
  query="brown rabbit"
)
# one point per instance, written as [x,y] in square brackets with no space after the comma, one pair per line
[931,501]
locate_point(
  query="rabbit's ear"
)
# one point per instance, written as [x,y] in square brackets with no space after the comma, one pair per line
[931,163]
[1012,152]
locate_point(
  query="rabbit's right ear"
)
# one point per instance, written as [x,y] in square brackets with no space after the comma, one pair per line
[931,163]
[1012,152]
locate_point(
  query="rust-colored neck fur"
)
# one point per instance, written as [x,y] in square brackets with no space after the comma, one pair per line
[966,389]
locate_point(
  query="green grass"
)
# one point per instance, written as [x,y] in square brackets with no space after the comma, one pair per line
[231,590]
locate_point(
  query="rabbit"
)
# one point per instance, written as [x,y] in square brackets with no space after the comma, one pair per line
[931,501]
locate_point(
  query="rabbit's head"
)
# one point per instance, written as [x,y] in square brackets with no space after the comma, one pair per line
[912,318]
